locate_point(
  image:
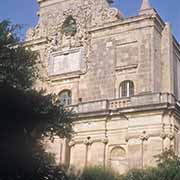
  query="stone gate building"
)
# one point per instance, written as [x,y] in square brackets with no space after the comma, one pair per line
[120,75]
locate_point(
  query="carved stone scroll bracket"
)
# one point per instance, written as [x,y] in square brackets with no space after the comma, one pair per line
[88,141]
[105,140]
[144,136]
[112,14]
[33,33]
[72,143]
[170,136]
[163,135]
[127,138]
[167,140]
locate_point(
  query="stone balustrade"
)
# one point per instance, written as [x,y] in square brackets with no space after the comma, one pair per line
[134,101]
[119,103]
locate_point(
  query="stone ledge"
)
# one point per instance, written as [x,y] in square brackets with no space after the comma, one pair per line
[141,101]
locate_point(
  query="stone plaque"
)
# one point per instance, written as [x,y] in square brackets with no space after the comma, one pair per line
[65,62]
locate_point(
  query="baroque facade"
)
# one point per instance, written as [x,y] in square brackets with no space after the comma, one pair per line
[120,75]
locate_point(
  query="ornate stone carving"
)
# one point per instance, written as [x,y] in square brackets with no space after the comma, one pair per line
[72,143]
[88,141]
[83,15]
[30,34]
[170,136]
[104,140]
[163,135]
[33,33]
[127,138]
[144,136]
[111,14]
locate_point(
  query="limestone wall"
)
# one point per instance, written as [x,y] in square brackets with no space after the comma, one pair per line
[105,51]
[122,142]
[176,59]
[87,47]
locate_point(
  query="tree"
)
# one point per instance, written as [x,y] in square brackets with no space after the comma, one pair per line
[25,114]
[17,64]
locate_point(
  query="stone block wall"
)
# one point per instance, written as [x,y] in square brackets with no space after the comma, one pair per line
[104,50]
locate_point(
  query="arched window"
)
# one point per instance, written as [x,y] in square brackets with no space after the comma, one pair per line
[126,89]
[65,97]
[118,153]
[118,159]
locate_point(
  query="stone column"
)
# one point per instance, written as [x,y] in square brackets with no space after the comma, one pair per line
[144,137]
[71,158]
[168,140]
[87,143]
[105,142]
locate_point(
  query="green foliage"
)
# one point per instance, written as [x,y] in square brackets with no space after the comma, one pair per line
[168,168]
[17,63]
[26,115]
[97,173]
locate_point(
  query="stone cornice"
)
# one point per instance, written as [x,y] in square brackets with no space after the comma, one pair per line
[117,112]
[145,136]
[130,20]
[88,141]
[138,103]
[36,42]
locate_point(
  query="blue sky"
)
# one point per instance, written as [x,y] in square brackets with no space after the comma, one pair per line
[24,11]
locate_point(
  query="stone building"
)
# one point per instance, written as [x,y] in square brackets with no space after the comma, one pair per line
[121,75]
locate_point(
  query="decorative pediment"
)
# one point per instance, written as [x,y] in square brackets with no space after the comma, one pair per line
[75,17]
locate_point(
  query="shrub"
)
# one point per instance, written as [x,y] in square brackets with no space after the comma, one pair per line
[98,173]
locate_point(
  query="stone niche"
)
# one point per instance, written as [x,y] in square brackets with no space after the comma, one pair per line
[66,61]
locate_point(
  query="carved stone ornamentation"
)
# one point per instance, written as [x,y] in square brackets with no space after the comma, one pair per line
[75,18]
[33,33]
[127,138]
[144,136]
[170,136]
[104,140]
[72,143]
[111,14]
[163,135]
[88,141]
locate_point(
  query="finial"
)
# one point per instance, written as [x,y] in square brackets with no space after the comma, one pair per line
[145,5]
[146,8]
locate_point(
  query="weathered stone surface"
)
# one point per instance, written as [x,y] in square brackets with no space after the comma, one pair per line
[91,56]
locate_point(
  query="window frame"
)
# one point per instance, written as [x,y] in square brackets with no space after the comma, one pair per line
[65,97]
[129,89]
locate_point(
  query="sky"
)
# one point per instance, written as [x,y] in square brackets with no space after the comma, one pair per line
[24,11]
